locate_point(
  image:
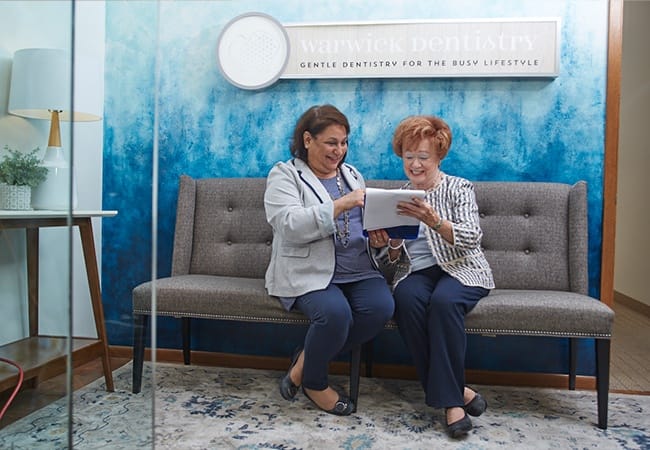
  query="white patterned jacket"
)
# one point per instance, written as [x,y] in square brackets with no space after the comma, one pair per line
[455,201]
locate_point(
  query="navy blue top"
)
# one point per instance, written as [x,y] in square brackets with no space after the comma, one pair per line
[352,262]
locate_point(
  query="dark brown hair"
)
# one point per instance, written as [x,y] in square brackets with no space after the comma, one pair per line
[414,129]
[315,120]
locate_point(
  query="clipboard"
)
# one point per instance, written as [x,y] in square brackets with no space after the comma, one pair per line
[380,212]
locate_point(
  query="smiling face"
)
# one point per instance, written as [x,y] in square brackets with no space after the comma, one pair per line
[421,163]
[422,142]
[326,150]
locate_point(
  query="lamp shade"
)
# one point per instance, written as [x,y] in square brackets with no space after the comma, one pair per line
[41,83]
[41,80]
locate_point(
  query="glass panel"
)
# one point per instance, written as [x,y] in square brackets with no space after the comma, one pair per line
[61,44]
[40,253]
[126,58]
[90,319]
[129,183]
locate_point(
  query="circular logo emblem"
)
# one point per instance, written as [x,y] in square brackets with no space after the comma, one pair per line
[253,50]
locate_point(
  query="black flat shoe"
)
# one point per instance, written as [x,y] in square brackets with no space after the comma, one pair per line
[459,428]
[288,390]
[477,406]
[343,406]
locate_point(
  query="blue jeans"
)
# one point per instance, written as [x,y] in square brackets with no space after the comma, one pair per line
[342,316]
[430,309]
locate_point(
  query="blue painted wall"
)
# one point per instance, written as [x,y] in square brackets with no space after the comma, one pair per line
[504,129]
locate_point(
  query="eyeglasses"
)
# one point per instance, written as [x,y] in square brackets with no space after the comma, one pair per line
[422,157]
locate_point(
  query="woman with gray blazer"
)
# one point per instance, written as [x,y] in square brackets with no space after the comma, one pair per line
[320,262]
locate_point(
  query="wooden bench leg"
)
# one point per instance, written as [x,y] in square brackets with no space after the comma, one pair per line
[602,379]
[140,322]
[186,340]
[355,375]
[573,364]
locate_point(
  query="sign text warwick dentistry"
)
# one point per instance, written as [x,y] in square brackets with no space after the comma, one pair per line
[485,48]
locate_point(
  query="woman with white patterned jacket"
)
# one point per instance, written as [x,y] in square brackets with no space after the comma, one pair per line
[442,274]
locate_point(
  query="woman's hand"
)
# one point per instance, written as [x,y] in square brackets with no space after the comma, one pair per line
[355,198]
[425,213]
[349,201]
[378,238]
[420,210]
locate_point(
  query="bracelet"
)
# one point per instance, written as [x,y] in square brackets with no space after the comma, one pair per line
[437,226]
[401,244]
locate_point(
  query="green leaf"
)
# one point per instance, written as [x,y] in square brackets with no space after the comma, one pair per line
[22,169]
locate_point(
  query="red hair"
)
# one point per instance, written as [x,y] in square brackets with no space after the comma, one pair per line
[414,129]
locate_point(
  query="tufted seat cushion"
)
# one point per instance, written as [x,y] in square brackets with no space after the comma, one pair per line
[213,297]
[538,313]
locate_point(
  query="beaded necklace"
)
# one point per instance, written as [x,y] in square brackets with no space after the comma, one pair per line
[343,236]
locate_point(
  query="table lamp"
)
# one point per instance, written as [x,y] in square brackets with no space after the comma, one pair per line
[41,80]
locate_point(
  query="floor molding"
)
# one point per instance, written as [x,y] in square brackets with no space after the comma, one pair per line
[485,377]
[632,303]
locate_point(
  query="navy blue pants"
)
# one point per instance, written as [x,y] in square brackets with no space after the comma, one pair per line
[342,316]
[430,309]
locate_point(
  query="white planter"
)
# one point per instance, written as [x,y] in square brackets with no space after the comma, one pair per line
[15,197]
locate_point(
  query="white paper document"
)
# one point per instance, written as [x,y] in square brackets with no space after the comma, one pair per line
[380,211]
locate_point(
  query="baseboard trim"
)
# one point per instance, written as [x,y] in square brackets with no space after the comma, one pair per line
[483,377]
[632,303]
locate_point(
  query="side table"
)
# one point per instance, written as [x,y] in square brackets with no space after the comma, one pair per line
[43,356]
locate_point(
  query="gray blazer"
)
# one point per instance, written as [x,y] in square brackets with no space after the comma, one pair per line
[301,213]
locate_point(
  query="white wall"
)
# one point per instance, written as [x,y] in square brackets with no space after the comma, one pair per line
[632,212]
[48,24]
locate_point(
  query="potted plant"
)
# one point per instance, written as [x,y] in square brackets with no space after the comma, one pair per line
[19,173]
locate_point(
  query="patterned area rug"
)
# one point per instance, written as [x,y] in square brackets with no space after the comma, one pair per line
[216,408]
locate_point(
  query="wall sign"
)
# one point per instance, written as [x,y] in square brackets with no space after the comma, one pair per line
[525,47]
[252,50]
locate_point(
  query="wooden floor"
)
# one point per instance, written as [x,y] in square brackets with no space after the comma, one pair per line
[630,359]
[629,369]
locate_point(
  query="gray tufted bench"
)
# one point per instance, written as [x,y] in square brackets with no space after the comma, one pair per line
[535,238]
